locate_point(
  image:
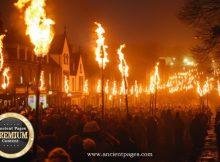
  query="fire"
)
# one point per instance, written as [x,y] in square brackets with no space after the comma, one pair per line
[218,87]
[101,54]
[98,88]
[155,80]
[39,27]
[6,79]
[114,89]
[66,84]
[206,88]
[136,88]
[107,87]
[132,90]
[123,65]
[86,87]
[42,80]
[122,88]
[1,52]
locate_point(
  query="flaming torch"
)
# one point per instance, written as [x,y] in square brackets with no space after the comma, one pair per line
[42,81]
[154,83]
[114,92]
[1,52]
[86,92]
[123,68]
[6,81]
[101,58]
[39,29]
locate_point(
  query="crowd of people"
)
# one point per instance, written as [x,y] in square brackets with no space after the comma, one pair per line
[72,134]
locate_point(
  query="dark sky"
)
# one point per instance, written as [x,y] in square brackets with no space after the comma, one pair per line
[150,28]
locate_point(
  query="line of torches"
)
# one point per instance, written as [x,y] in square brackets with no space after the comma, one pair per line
[179,82]
[41,35]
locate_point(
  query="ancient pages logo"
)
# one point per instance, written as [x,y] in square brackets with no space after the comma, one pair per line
[16,135]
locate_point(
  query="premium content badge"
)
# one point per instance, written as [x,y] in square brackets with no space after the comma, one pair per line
[16,135]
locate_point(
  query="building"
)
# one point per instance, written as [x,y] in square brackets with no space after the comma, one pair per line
[63,72]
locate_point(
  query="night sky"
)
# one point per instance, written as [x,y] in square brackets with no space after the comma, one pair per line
[149,28]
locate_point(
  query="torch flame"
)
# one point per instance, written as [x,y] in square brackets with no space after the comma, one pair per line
[123,65]
[101,54]
[6,79]
[114,89]
[155,80]
[86,87]
[38,25]
[98,88]
[66,84]
[136,89]
[107,87]
[42,81]
[1,52]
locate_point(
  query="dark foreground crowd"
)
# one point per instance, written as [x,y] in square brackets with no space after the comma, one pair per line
[69,134]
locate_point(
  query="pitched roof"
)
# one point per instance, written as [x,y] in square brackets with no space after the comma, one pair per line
[57,44]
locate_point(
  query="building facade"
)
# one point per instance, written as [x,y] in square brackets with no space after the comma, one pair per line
[63,73]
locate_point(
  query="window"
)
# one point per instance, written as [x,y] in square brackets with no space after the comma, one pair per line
[73,84]
[65,59]
[81,83]
[80,68]
[12,53]
[49,79]
[29,55]
[22,54]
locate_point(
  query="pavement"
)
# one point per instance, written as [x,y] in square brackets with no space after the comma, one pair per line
[210,149]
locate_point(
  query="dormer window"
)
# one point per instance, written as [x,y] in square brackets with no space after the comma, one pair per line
[80,68]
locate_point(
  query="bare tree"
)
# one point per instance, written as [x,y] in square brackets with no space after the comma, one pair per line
[204,17]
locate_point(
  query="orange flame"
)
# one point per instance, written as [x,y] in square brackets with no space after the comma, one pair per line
[202,91]
[42,81]
[1,52]
[122,88]
[38,25]
[86,87]
[123,65]
[101,54]
[136,89]
[98,88]
[107,87]
[66,84]
[6,79]
[155,79]
[114,89]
